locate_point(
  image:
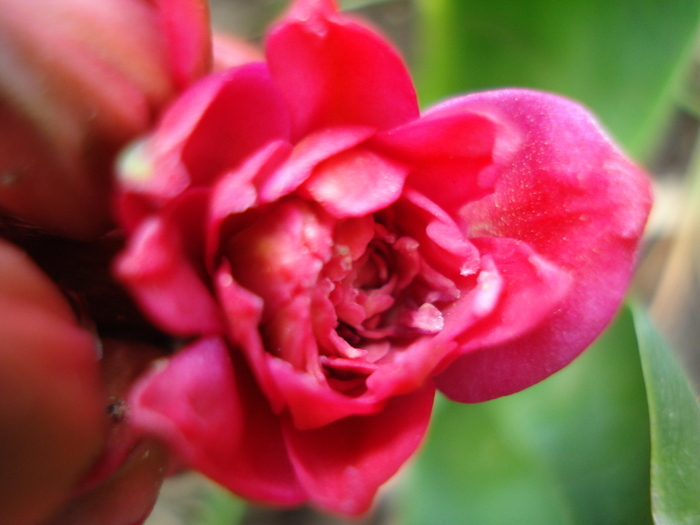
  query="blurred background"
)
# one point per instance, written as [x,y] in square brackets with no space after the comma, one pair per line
[576,448]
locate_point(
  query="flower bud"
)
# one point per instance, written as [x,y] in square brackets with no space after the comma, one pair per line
[78,79]
[51,402]
[123,484]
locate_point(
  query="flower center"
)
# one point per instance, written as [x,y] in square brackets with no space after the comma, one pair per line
[388,293]
[338,296]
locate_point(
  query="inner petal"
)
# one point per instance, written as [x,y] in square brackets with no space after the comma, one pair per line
[356,182]
[282,253]
[390,293]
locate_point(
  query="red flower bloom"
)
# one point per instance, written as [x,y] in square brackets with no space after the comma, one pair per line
[335,255]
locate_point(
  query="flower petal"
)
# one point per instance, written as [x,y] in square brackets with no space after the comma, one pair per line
[341,465]
[206,407]
[307,154]
[162,268]
[532,290]
[188,400]
[240,104]
[571,196]
[236,191]
[282,253]
[302,390]
[356,182]
[334,71]
[442,243]
[457,154]
[244,312]
[311,402]
[248,112]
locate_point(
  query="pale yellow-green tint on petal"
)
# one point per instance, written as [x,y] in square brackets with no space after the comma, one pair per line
[133,164]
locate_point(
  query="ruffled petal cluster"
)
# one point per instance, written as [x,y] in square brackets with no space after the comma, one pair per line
[332,256]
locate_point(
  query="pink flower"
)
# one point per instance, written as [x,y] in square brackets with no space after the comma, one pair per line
[333,256]
[79,79]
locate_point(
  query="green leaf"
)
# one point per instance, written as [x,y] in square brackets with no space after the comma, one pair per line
[192,499]
[219,507]
[675,430]
[619,57]
[572,450]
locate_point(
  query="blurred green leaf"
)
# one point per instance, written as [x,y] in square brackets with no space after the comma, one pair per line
[619,57]
[675,430]
[572,450]
[219,507]
[189,498]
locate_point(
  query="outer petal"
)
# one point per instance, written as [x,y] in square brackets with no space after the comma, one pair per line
[308,153]
[457,155]
[244,312]
[247,113]
[332,71]
[356,182]
[207,408]
[190,399]
[572,196]
[240,104]
[532,289]
[312,402]
[163,267]
[235,192]
[342,465]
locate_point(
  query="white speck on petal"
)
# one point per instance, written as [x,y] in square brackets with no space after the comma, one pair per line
[428,319]
[225,280]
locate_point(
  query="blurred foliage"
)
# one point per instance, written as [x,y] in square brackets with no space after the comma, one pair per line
[573,449]
[219,507]
[619,57]
[675,430]
[191,499]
